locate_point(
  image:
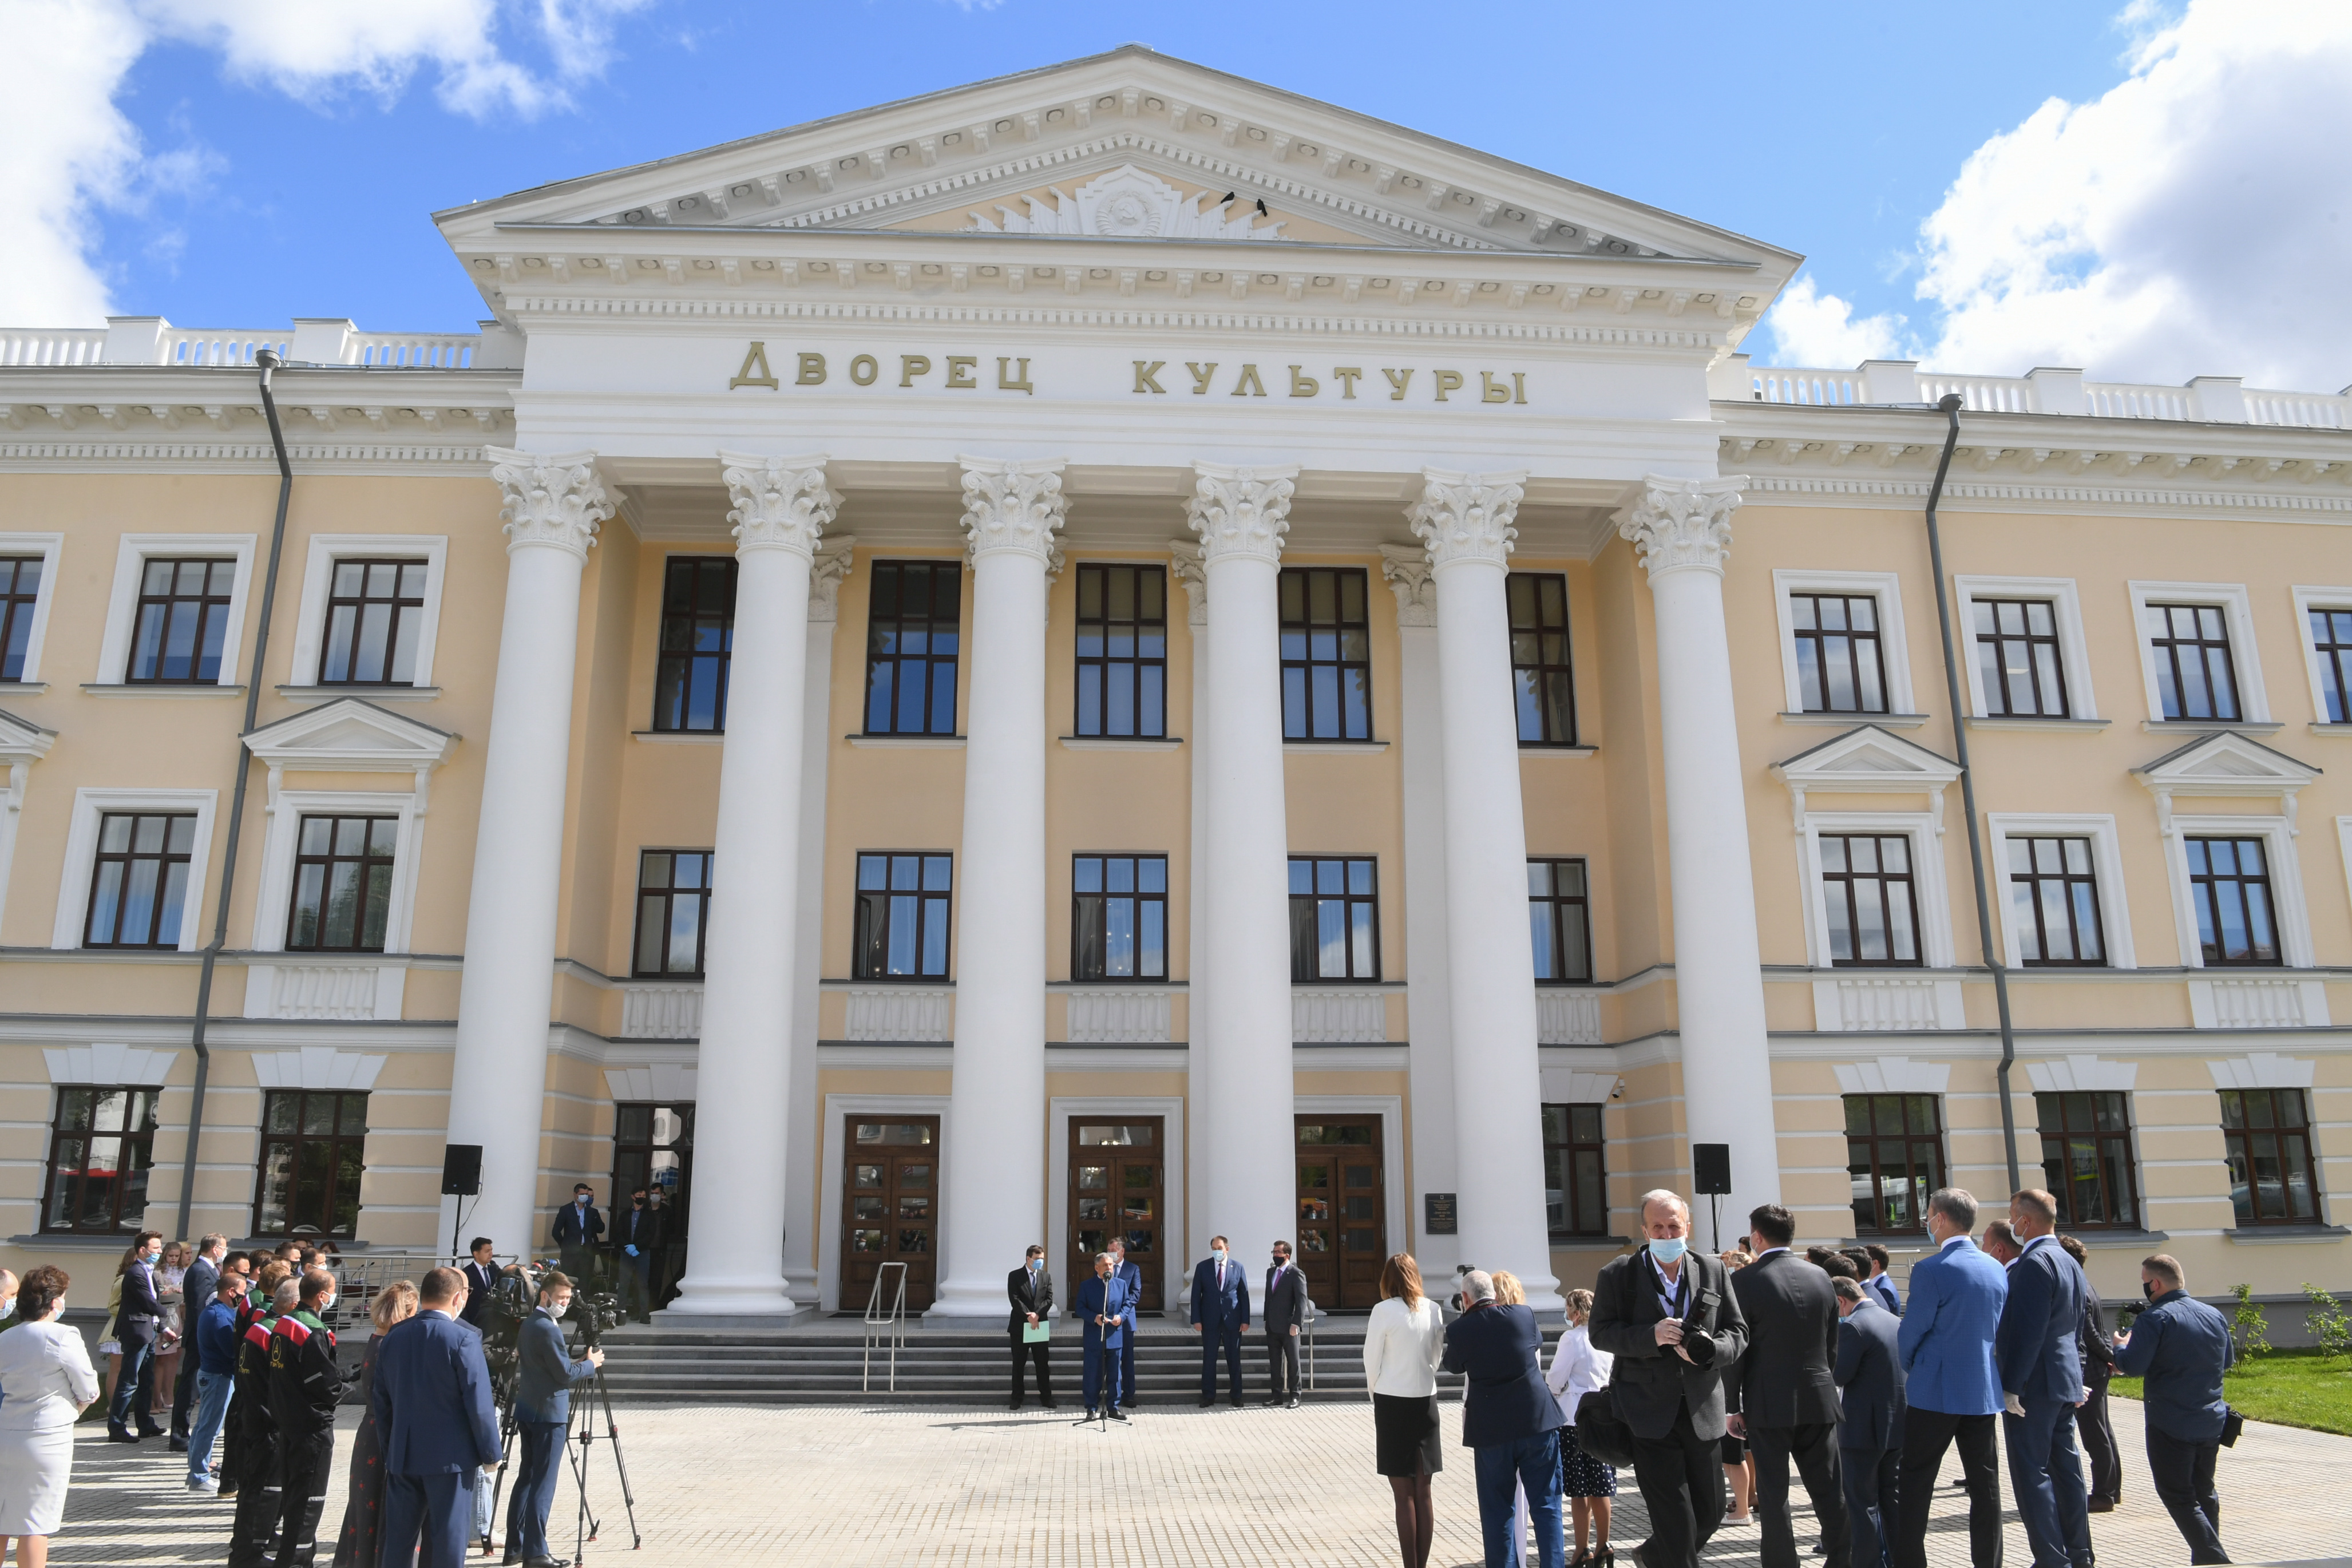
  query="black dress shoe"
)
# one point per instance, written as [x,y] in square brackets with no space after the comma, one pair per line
[1238,1402]
[1117,1415]
[1207,1400]
[1291,1404]
[117,1435]
[1049,1405]
[1015,1405]
[179,1444]
[547,1563]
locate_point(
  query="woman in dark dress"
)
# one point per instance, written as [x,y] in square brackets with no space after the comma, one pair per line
[362,1541]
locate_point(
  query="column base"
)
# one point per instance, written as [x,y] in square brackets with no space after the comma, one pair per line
[964,1304]
[737,1296]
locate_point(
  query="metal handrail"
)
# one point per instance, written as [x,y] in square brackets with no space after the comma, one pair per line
[882,1324]
[1312,1314]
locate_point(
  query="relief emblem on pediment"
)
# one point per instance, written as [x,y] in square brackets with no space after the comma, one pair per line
[1128,204]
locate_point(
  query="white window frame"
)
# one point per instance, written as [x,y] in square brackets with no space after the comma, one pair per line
[2307,598]
[49,547]
[318,580]
[277,857]
[122,603]
[2107,869]
[1895,647]
[2288,905]
[2245,655]
[1926,831]
[81,859]
[2074,647]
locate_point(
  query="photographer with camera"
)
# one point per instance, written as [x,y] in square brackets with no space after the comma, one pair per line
[543,1407]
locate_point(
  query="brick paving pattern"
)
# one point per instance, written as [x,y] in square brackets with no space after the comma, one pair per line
[1179,1488]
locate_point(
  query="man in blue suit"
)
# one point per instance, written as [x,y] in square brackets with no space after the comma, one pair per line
[440,1433]
[1102,1308]
[1130,1276]
[1950,1384]
[543,1407]
[2041,1381]
[1870,1419]
[1221,1316]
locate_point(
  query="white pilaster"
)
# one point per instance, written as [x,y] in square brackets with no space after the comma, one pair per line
[1241,1104]
[1682,528]
[1466,523]
[743,1114]
[498,1079]
[1184,559]
[995,1134]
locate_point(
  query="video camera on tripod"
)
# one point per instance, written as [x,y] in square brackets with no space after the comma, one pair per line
[512,1301]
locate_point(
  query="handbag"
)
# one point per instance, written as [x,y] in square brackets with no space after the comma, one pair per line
[1601,1431]
[2233,1422]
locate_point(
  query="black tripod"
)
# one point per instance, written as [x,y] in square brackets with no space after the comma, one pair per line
[1099,1417]
[584,1435]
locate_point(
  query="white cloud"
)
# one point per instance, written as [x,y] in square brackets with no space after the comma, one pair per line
[1810,327]
[71,151]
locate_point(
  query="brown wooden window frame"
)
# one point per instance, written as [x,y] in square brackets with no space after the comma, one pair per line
[2033,628]
[1564,953]
[167,859]
[1358,899]
[2331,644]
[2096,1123]
[1543,666]
[927,896]
[1119,654]
[373,865]
[886,638]
[1906,1140]
[1327,654]
[2205,638]
[1843,643]
[666,896]
[402,613]
[20,603]
[1093,909]
[1571,1129]
[2250,1115]
[1838,892]
[345,1140]
[157,610]
[697,650]
[2076,878]
[133,1152]
[2210,891]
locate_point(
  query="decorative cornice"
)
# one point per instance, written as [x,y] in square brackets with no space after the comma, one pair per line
[1467,517]
[552,500]
[828,569]
[1683,524]
[780,503]
[1406,566]
[1240,512]
[1908,493]
[1184,559]
[1014,504]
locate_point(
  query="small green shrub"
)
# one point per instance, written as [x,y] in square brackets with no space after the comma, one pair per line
[2329,1323]
[2248,1326]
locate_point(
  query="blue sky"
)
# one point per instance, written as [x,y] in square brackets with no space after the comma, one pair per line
[275,158]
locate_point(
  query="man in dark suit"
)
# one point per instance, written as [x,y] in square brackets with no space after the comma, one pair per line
[1131,1275]
[1221,1316]
[1031,1290]
[1949,1381]
[1670,1318]
[1286,1317]
[637,1237]
[2091,1424]
[1102,1309]
[1880,1283]
[1510,1422]
[136,1322]
[431,1395]
[578,1228]
[1787,1397]
[543,1408]
[196,1293]
[1870,1420]
[2182,1347]
[482,1280]
[2041,1381]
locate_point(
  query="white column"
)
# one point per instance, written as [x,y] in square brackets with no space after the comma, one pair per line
[742,1113]
[1465,520]
[498,1079]
[803,1188]
[1682,528]
[1429,1022]
[995,1194]
[1247,1138]
[1184,558]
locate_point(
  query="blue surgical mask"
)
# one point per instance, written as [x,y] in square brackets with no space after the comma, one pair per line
[1035,1264]
[1219,1255]
[1666,1249]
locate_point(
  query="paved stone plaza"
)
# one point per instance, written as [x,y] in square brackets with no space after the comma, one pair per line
[1179,1487]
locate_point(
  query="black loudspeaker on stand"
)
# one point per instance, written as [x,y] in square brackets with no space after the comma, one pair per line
[461,1176]
[1711,1175]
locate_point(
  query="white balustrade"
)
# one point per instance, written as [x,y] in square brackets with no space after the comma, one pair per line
[1568,1018]
[326,990]
[1885,1003]
[1825,387]
[1332,1017]
[2309,409]
[1982,393]
[51,345]
[444,350]
[1118,1018]
[2125,400]
[193,346]
[661,1012]
[899,1013]
[2259,1005]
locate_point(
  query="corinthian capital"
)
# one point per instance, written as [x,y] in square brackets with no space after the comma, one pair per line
[1240,512]
[1467,517]
[1013,505]
[780,503]
[556,500]
[1678,525]
[1406,566]
[1184,558]
[828,569]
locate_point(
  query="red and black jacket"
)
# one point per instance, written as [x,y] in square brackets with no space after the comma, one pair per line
[305,1384]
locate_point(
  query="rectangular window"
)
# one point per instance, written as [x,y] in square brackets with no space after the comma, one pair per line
[342,884]
[2266,1139]
[1122,650]
[1576,1172]
[1326,655]
[1118,917]
[2086,1159]
[20,595]
[2016,659]
[1334,922]
[698,639]
[1542,684]
[375,616]
[2230,883]
[913,630]
[902,917]
[102,1144]
[2055,896]
[313,1147]
[2331,640]
[2194,676]
[139,886]
[1894,1159]
[183,622]
[1874,914]
[1558,920]
[1840,666]
[673,911]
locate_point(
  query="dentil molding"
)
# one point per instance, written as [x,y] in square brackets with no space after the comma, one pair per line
[1014,504]
[1683,524]
[1406,566]
[1467,517]
[780,503]
[554,501]
[1240,512]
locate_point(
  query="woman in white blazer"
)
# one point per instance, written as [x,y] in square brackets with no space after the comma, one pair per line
[47,1380]
[1577,1369]
[1403,1342]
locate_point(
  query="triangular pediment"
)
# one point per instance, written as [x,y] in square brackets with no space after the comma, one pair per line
[2225,763]
[1867,759]
[22,741]
[350,736]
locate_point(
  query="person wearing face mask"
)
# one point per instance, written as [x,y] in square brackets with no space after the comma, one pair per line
[137,1323]
[1031,1290]
[1951,1384]
[638,1236]
[305,1386]
[1102,1314]
[578,1228]
[2181,1346]
[1221,1316]
[1285,1315]
[1668,1315]
[1131,1275]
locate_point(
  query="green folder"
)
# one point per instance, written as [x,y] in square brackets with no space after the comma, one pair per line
[1032,1333]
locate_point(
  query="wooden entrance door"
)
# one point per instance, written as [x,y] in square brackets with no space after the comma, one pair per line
[1118,1185]
[1342,1210]
[891,1206]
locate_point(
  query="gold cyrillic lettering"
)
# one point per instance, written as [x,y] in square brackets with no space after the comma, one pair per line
[1014,383]
[1249,385]
[1490,390]
[1346,375]
[960,371]
[1519,386]
[1201,374]
[863,370]
[812,369]
[1303,386]
[1398,381]
[754,357]
[1145,375]
[1448,381]
[910,366]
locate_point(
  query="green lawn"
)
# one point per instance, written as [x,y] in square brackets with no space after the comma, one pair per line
[2293,1388]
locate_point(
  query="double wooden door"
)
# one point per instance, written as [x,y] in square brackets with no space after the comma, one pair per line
[1342,1210]
[1118,1187]
[890,1193]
